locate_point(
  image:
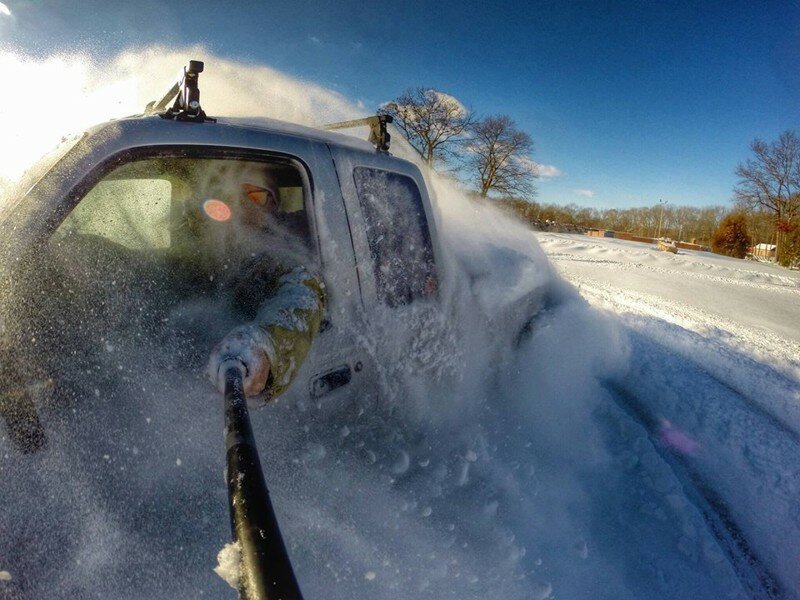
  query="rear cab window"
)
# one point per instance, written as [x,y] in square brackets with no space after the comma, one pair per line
[398,235]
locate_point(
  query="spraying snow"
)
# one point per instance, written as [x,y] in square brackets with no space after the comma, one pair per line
[98,90]
[526,445]
[228,564]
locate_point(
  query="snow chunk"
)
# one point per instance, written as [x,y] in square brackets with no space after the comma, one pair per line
[402,463]
[582,548]
[228,564]
[542,590]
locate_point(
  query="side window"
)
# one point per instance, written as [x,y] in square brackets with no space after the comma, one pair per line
[398,235]
[177,230]
[134,213]
[151,204]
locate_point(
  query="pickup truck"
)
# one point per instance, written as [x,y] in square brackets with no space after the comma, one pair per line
[85,232]
[91,317]
[364,217]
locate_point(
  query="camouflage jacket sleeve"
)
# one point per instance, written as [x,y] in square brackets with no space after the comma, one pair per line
[286,324]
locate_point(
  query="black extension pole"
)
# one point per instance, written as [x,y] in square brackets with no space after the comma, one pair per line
[265,570]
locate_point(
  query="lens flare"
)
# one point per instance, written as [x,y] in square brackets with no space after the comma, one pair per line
[217,210]
[676,439]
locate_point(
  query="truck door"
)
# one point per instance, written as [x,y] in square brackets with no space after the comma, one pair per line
[392,225]
[338,371]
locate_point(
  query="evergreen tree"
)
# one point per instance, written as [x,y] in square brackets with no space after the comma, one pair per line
[731,238]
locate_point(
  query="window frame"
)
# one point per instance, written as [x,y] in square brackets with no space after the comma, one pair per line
[383,297]
[118,159]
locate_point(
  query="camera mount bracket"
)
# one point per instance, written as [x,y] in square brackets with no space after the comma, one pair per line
[187,98]
[378,134]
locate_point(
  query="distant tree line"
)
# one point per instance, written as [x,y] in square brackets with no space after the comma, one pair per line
[688,223]
[495,156]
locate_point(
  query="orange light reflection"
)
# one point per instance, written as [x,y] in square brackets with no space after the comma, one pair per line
[217,210]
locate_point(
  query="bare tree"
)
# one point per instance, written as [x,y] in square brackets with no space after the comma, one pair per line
[499,156]
[432,121]
[770,181]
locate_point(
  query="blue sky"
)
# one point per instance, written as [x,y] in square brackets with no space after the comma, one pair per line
[631,101]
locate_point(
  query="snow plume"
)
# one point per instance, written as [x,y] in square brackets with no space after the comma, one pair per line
[492,464]
[82,90]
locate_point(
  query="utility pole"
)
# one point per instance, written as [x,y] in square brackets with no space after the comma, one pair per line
[661,203]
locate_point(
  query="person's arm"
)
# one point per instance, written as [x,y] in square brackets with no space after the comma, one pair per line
[290,319]
[282,333]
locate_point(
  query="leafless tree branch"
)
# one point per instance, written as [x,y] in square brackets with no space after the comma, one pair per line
[432,122]
[770,181]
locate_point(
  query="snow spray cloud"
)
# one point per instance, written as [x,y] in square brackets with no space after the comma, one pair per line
[475,475]
[83,90]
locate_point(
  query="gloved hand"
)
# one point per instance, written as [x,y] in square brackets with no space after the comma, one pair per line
[240,346]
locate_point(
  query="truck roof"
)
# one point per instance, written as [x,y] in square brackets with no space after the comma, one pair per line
[286,128]
[209,132]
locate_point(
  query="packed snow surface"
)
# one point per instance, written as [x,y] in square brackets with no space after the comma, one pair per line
[714,374]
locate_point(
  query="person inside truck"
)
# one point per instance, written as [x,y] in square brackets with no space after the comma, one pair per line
[163,262]
[248,250]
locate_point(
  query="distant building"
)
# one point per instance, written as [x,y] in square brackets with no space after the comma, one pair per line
[764,251]
[624,235]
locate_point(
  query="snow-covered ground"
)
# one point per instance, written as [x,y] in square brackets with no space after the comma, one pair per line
[643,447]
[714,375]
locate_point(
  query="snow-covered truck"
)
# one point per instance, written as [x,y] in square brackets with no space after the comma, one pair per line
[364,216]
[86,232]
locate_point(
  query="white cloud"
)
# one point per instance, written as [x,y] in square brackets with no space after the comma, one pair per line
[431,95]
[4,10]
[543,171]
[548,170]
[587,193]
[314,40]
[449,100]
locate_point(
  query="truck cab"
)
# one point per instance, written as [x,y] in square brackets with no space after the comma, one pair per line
[87,233]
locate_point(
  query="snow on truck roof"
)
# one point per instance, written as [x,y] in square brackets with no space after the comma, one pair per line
[261,124]
[295,129]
